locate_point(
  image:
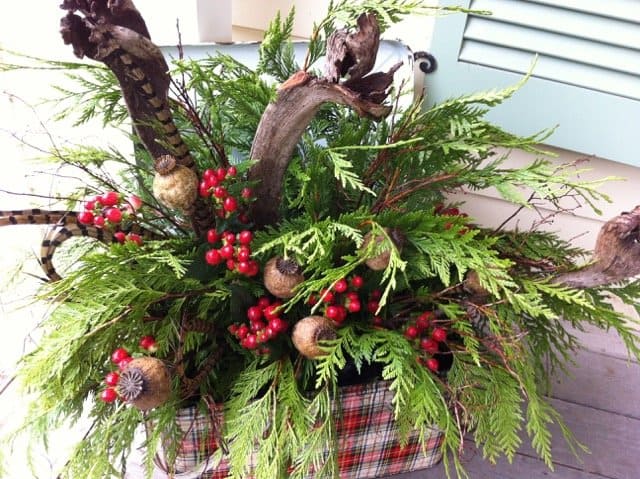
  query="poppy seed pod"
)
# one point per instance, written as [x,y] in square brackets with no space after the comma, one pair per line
[308,332]
[381,260]
[145,383]
[174,185]
[281,276]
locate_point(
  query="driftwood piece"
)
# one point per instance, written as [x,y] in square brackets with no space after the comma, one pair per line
[299,99]
[616,256]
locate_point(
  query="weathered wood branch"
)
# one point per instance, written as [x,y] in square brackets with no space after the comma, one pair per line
[616,256]
[299,99]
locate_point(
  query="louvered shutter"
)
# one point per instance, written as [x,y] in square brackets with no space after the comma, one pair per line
[586,79]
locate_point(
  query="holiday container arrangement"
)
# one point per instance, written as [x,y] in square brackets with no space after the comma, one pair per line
[280,287]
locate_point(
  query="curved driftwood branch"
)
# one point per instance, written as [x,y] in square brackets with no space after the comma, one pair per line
[616,256]
[299,99]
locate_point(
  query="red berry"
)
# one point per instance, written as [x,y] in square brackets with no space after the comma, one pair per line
[113,215]
[230,204]
[213,257]
[227,251]
[112,378]
[228,237]
[327,296]
[373,306]
[119,354]
[342,313]
[134,201]
[110,198]
[231,264]
[233,328]
[254,313]
[250,341]
[120,236]
[254,268]
[85,217]
[148,343]
[220,192]
[221,173]
[313,300]
[354,306]
[137,239]
[243,330]
[90,205]
[451,212]
[423,321]
[99,221]
[429,345]
[357,282]
[212,236]
[263,302]
[208,174]
[245,237]
[411,332]
[432,364]
[243,218]
[439,334]
[109,395]
[269,333]
[332,312]
[247,193]
[244,253]
[340,286]
[232,171]
[278,325]
[272,311]
[243,267]
[377,321]
[203,189]
[123,364]
[256,326]
[375,294]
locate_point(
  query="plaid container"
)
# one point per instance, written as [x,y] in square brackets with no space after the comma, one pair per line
[368,439]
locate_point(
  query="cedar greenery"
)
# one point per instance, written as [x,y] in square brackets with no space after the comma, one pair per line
[349,175]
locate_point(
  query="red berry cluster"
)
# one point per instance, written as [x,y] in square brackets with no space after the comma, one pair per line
[215,185]
[428,337]
[109,210]
[343,298]
[264,325]
[453,212]
[235,251]
[121,358]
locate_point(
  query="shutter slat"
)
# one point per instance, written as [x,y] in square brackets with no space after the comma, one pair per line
[575,47]
[588,26]
[621,9]
[555,69]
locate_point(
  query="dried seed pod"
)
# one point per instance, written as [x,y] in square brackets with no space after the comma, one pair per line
[381,261]
[145,383]
[281,276]
[472,284]
[174,185]
[308,332]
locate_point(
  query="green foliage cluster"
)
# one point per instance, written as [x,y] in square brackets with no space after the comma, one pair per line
[349,176]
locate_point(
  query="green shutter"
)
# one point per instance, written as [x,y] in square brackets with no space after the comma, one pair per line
[586,79]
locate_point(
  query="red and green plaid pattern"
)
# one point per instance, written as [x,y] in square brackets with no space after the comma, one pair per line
[369,443]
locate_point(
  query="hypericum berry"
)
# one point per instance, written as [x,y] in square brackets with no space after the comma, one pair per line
[90,204]
[124,363]
[230,204]
[340,286]
[120,236]
[227,251]
[357,282]
[247,193]
[254,268]
[111,198]
[243,330]
[228,237]
[423,321]
[203,189]
[99,221]
[232,171]
[231,264]
[213,257]
[208,174]
[244,253]
[135,202]
[327,296]
[278,325]
[212,236]
[85,217]
[109,395]
[118,355]
[439,334]
[220,192]
[263,302]
[254,313]
[245,237]
[149,343]
[136,238]
[375,294]
[221,173]
[411,332]
[250,341]
[243,267]
[433,364]
[272,311]
[332,312]
[354,305]
[429,345]
[373,306]
[112,378]
[113,215]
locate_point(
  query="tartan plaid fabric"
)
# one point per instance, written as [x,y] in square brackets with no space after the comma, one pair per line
[369,444]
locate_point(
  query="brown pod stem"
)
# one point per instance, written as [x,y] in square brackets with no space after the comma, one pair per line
[308,332]
[145,383]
